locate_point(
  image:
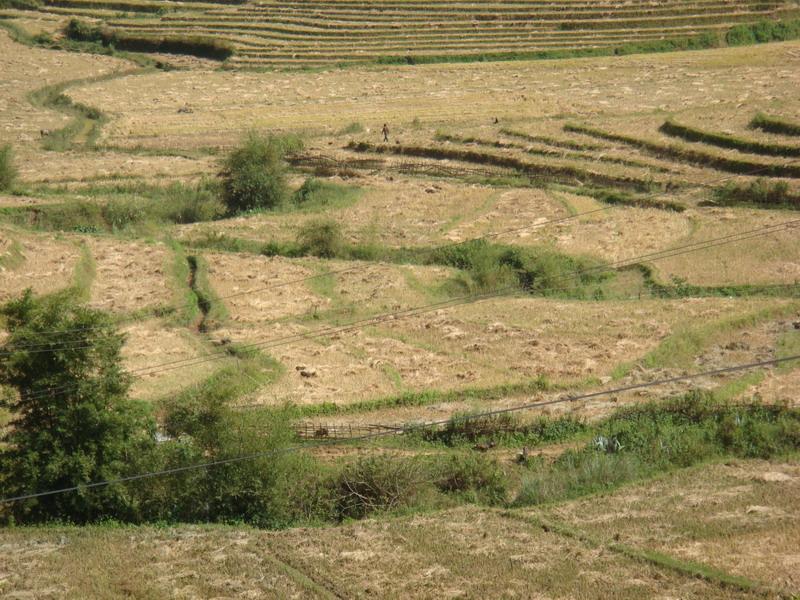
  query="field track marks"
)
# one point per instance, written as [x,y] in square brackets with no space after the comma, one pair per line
[661,560]
[306,582]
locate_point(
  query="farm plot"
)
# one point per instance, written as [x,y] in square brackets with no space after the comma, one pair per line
[300,34]
[736,516]
[466,552]
[149,344]
[452,95]
[129,276]
[454,348]
[766,259]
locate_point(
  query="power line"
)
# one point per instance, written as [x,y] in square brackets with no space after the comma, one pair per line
[408,429]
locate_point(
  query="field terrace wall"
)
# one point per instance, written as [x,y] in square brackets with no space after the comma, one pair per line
[329,32]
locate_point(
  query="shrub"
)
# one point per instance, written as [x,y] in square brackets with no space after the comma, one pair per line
[322,238]
[196,204]
[474,477]
[254,174]
[308,191]
[740,35]
[496,266]
[352,128]
[8,173]
[378,484]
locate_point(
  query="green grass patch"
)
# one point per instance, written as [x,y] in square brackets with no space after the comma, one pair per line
[681,348]
[14,257]
[424,398]
[134,210]
[8,172]
[788,345]
[644,440]
[212,311]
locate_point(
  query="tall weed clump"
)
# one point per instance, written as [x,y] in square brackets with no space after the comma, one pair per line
[643,440]
[539,270]
[254,174]
[8,172]
[760,192]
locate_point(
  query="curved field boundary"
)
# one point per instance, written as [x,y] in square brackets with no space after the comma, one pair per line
[583,156]
[693,134]
[538,171]
[688,155]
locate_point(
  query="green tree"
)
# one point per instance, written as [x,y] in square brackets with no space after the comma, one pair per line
[71,421]
[254,174]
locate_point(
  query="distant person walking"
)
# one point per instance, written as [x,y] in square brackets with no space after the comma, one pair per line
[385,132]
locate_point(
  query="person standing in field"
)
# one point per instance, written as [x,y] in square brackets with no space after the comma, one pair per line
[385,132]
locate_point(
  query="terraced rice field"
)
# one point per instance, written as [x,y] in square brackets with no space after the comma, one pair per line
[606,178]
[320,33]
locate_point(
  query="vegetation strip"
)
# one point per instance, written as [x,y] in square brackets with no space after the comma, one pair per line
[658,559]
[697,157]
[775,125]
[693,134]
[538,172]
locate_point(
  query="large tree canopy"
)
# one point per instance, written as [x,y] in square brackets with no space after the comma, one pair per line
[71,420]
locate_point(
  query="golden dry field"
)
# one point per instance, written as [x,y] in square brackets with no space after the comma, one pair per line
[566,217]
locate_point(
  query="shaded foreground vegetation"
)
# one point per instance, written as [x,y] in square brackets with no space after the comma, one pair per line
[251,468]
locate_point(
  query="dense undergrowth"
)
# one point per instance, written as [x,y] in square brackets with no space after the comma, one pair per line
[759,193]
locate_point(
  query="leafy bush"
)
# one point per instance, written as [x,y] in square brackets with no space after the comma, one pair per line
[740,35]
[466,429]
[254,174]
[321,238]
[475,478]
[196,204]
[378,484]
[8,173]
[308,191]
